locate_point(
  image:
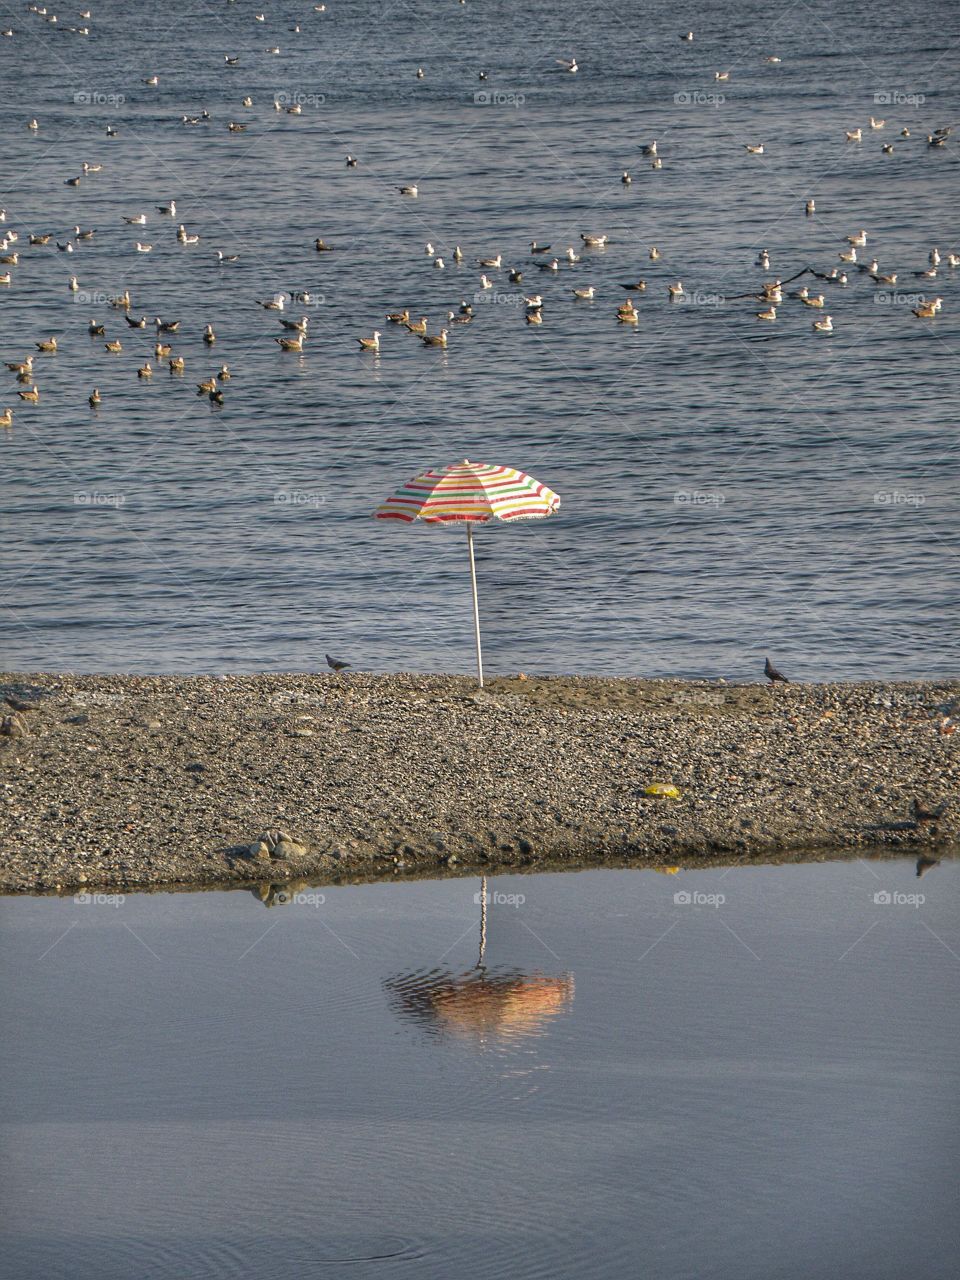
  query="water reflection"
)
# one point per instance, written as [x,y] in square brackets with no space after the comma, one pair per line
[482,1004]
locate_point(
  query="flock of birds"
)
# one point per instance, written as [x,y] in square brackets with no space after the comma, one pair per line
[544,263]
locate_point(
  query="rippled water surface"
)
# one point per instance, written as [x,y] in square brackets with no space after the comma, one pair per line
[758,1082]
[729,487]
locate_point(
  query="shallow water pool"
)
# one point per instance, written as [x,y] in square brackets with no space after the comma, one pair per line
[748,1073]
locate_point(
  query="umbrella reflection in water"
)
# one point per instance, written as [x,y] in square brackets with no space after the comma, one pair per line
[483,1004]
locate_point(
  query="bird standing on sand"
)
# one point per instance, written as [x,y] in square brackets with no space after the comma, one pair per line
[772,674]
[923,815]
[335,664]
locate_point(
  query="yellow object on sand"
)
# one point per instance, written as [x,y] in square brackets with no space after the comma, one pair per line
[666,789]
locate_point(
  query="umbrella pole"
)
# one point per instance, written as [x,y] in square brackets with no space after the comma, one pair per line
[483,920]
[476,606]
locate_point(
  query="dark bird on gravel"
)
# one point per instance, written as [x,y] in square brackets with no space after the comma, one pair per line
[924,864]
[923,815]
[772,674]
[18,704]
[335,664]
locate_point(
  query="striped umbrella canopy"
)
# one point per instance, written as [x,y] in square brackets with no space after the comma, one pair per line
[470,493]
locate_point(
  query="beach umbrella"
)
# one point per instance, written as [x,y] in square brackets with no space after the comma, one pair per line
[470,493]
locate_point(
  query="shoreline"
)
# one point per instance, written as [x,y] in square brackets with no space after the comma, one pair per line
[139,782]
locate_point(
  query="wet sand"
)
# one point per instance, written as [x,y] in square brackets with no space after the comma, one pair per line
[125,782]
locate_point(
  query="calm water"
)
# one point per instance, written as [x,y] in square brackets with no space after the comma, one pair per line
[728,487]
[761,1083]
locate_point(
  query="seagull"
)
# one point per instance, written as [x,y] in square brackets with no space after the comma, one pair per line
[367,344]
[552,265]
[485,283]
[769,314]
[439,263]
[539,248]
[570,255]
[136,324]
[649,148]
[114,345]
[144,248]
[274,304]
[209,336]
[6,420]
[351,162]
[772,674]
[625,178]
[876,124]
[823,326]
[594,242]
[321,246]
[335,664]
[176,364]
[755,149]
[860,239]
[854,135]
[93,399]
[409,191]
[169,209]
[457,253]
[675,290]
[490,262]
[586,295]
[568,64]
[416,326]
[49,345]
[138,220]
[298,326]
[434,339]
[224,257]
[810,208]
[291,344]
